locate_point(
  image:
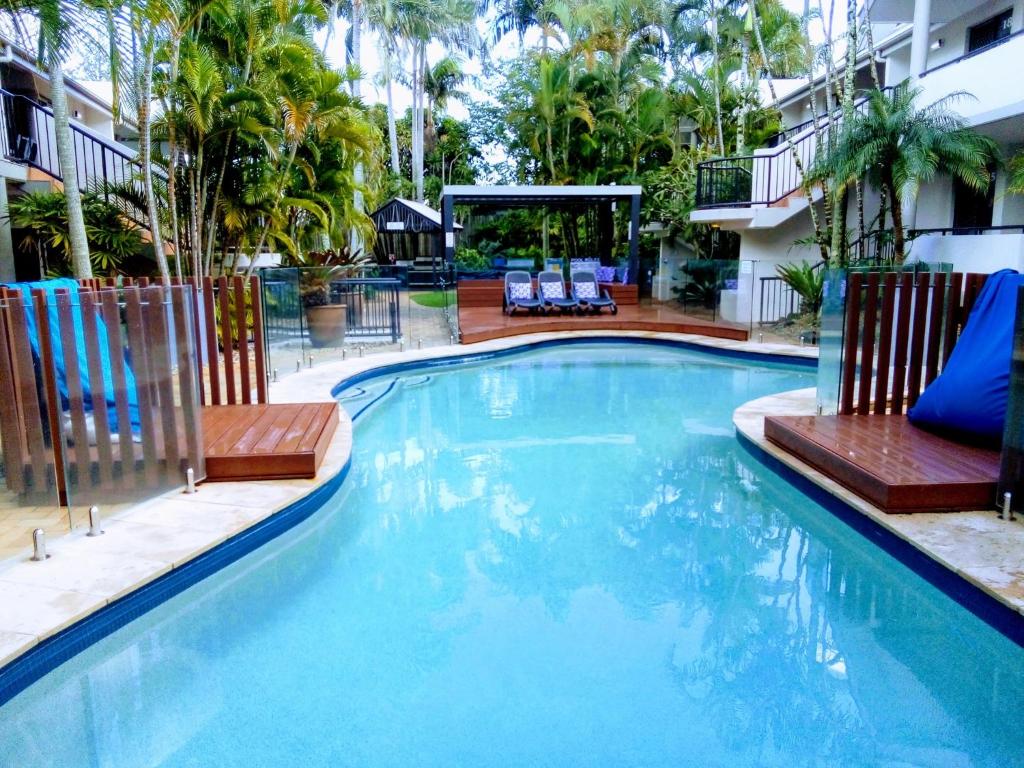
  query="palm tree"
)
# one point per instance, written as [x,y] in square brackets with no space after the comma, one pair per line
[55,31]
[440,84]
[896,147]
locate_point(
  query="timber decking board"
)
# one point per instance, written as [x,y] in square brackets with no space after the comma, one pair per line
[890,462]
[266,442]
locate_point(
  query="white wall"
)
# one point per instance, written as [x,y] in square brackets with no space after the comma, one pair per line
[991,77]
[934,205]
[971,253]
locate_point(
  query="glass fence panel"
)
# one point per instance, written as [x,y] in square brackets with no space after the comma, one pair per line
[283,320]
[830,348]
[31,468]
[132,418]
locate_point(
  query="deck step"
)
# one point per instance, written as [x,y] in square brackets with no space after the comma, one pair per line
[891,463]
[266,442]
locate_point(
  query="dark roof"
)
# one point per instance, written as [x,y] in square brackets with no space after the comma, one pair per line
[401,215]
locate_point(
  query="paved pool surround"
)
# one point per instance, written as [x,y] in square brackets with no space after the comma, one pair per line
[91,586]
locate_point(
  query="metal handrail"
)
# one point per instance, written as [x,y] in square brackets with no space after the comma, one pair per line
[775,182]
[975,52]
[100,162]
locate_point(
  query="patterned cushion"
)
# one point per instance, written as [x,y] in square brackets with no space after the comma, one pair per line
[605,274]
[520,290]
[553,290]
[585,290]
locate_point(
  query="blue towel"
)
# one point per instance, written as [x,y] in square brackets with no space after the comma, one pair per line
[51,287]
[969,396]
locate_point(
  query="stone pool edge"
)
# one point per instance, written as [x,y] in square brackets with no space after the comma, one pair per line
[974,557]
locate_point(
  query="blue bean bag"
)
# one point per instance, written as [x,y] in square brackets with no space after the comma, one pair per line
[968,399]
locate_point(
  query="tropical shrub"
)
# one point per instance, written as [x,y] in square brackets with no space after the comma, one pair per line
[43,217]
[808,283]
[470,259]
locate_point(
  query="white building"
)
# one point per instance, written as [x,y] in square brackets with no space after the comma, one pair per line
[943,46]
[28,150]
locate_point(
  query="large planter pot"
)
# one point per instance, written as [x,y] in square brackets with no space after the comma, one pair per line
[326,324]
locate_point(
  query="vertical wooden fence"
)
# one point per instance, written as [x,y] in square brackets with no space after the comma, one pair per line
[102,390]
[99,392]
[899,331]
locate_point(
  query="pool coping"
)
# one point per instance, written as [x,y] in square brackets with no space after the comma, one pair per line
[51,611]
[974,557]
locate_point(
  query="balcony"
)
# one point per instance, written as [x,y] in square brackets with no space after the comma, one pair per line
[988,74]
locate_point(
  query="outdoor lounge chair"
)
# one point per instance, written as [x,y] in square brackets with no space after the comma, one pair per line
[551,291]
[589,293]
[519,294]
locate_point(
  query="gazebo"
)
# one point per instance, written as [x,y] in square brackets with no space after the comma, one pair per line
[603,198]
[409,232]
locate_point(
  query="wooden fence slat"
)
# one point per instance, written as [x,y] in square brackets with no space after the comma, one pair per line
[212,355]
[225,339]
[849,370]
[974,283]
[188,387]
[12,436]
[97,388]
[141,358]
[885,343]
[242,331]
[154,312]
[952,329]
[867,356]
[197,337]
[935,328]
[899,362]
[51,396]
[917,337]
[79,463]
[256,292]
[119,386]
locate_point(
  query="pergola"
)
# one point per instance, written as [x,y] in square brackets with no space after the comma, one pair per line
[509,196]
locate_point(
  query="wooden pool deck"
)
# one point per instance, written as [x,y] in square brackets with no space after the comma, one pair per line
[485,323]
[266,442]
[889,462]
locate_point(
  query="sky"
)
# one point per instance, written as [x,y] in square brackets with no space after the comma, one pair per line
[507,48]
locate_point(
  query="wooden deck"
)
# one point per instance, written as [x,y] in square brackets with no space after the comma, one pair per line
[266,442]
[489,322]
[891,463]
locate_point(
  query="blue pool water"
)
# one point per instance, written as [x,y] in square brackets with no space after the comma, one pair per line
[561,558]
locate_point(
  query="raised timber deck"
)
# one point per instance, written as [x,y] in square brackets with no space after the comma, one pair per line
[266,442]
[891,463]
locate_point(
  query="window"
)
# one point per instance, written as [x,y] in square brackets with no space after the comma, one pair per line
[973,209]
[990,31]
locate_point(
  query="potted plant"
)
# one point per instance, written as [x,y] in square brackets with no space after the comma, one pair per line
[327,321]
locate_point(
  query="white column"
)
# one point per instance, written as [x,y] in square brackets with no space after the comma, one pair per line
[1018,16]
[921,38]
[6,241]
[919,44]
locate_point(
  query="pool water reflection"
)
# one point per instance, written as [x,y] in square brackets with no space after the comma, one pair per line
[559,558]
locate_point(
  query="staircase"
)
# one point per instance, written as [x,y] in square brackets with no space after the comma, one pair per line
[101,163]
[770,177]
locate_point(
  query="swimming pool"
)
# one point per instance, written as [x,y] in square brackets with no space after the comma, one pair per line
[563,557]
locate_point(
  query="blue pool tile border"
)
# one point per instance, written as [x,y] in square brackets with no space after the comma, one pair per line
[477,357]
[989,609]
[50,653]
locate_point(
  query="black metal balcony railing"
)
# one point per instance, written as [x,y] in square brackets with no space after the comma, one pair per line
[766,178]
[101,164]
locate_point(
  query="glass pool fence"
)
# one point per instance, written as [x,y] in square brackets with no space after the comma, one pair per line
[315,316]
